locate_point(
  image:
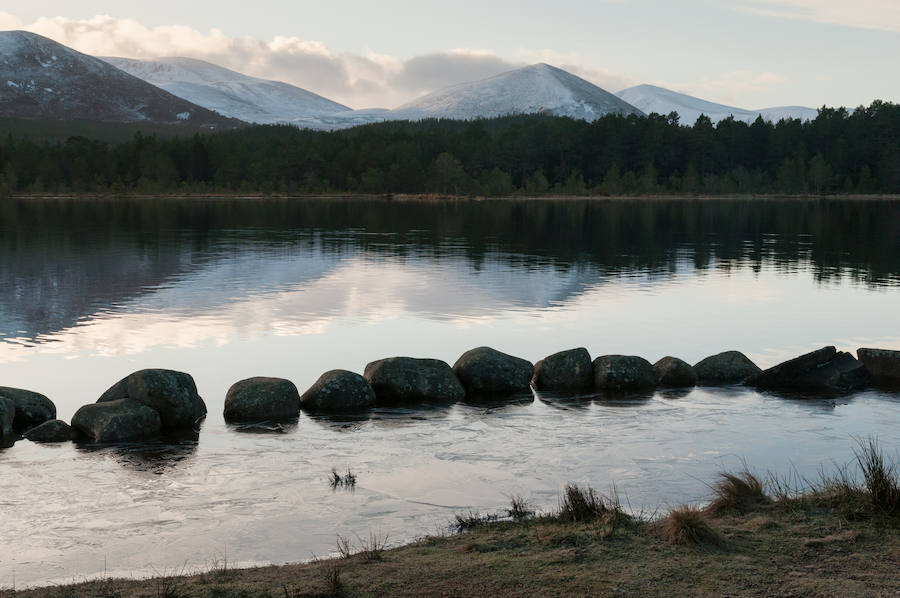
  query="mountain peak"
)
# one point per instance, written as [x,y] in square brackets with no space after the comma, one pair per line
[41,78]
[537,88]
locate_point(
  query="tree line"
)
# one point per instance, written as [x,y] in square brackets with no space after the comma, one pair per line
[840,151]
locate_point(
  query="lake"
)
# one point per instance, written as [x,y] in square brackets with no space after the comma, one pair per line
[225,289]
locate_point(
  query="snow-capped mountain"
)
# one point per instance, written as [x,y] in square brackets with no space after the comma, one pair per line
[40,78]
[650,98]
[539,88]
[228,92]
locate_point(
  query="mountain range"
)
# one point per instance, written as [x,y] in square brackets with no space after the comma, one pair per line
[650,98]
[44,79]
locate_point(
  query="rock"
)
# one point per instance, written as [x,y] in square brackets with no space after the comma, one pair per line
[339,391]
[730,367]
[566,371]
[486,371]
[7,415]
[117,421]
[825,370]
[409,380]
[675,373]
[262,399]
[55,430]
[32,408]
[883,364]
[624,373]
[173,394]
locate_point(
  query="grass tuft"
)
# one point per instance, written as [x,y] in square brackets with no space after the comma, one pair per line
[882,479]
[738,493]
[583,504]
[334,583]
[373,548]
[688,526]
[519,509]
[466,522]
[337,480]
[344,548]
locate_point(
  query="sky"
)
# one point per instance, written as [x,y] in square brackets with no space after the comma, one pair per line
[747,53]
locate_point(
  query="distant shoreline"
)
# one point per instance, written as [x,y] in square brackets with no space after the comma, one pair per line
[432,197]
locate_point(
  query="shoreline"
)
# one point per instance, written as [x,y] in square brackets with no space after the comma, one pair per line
[834,537]
[432,197]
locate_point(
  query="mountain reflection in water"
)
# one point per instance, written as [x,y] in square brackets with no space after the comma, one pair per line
[64,261]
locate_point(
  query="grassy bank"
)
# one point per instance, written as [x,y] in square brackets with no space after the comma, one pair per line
[839,536]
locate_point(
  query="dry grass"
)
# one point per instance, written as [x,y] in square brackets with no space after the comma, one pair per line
[520,509]
[881,478]
[737,493]
[585,504]
[689,525]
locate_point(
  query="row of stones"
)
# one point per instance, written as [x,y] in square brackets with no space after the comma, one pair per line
[486,372]
[481,372]
[149,401]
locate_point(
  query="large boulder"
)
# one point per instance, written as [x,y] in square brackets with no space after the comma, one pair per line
[32,408]
[566,371]
[883,365]
[486,371]
[398,380]
[675,373]
[823,370]
[55,430]
[339,391]
[173,394]
[730,367]
[117,421]
[7,415]
[262,399]
[621,373]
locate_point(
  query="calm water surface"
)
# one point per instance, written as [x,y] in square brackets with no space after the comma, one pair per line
[91,290]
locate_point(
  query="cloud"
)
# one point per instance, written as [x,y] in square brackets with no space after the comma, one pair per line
[735,88]
[573,62]
[8,21]
[865,14]
[732,86]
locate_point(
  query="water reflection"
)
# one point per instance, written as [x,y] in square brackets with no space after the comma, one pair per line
[63,262]
[279,427]
[154,456]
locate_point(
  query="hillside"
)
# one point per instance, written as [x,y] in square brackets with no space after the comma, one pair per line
[228,92]
[40,78]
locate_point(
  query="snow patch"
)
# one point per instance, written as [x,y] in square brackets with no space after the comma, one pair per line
[183,116]
[229,93]
[13,84]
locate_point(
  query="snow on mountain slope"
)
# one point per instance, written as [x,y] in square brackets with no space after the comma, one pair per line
[228,92]
[538,88]
[40,78]
[650,98]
